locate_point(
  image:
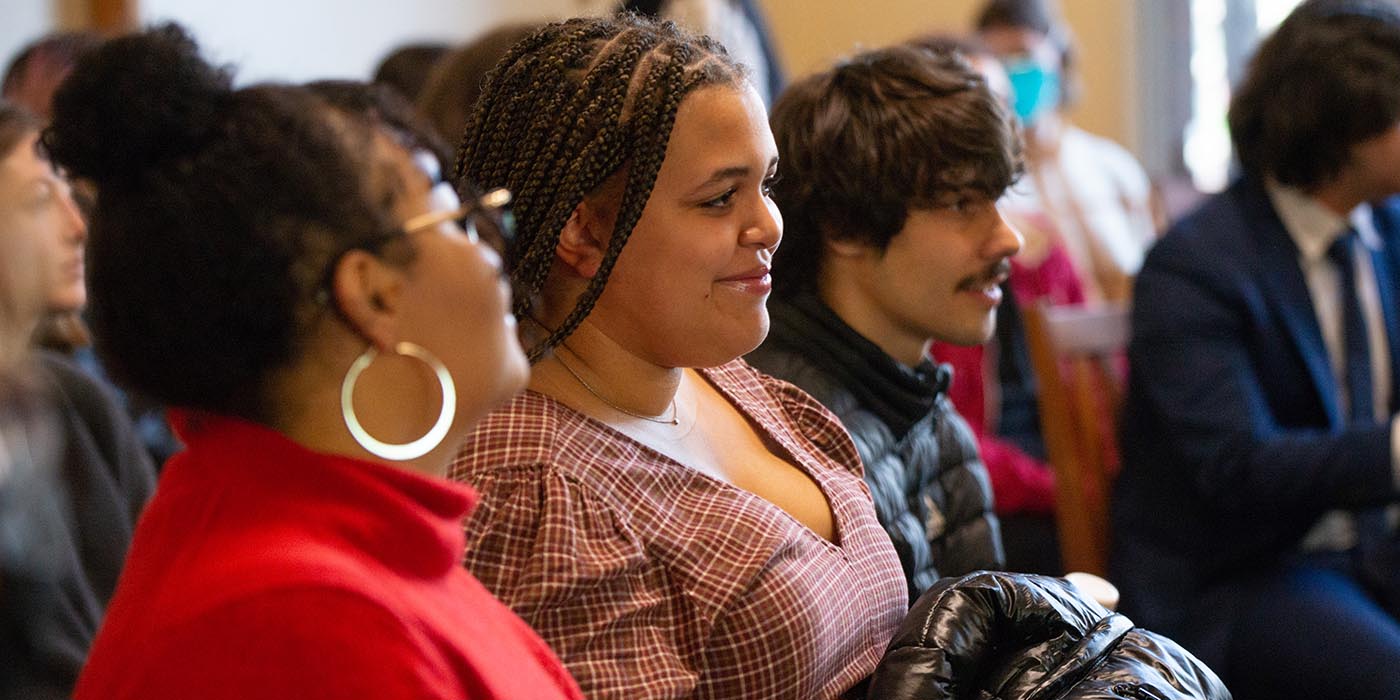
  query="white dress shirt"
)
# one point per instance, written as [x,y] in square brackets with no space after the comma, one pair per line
[1313,228]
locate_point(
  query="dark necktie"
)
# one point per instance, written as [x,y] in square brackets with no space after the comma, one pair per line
[1355,340]
[1372,548]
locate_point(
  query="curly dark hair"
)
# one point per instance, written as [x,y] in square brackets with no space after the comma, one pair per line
[566,109]
[385,107]
[878,134]
[218,212]
[1327,79]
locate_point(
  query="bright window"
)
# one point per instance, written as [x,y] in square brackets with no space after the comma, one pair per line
[1207,143]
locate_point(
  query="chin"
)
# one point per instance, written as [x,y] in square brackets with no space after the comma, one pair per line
[712,342]
[515,376]
[712,350]
[969,335]
[742,341]
[67,303]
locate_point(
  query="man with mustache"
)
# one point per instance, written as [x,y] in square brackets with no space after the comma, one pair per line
[892,164]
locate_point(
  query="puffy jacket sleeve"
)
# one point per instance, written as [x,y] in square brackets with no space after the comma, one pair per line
[1027,637]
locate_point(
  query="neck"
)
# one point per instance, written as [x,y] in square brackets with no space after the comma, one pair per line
[858,310]
[1043,138]
[611,378]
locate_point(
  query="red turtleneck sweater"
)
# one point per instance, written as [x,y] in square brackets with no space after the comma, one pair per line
[264,570]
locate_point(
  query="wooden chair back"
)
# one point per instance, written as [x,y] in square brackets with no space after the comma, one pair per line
[1078,355]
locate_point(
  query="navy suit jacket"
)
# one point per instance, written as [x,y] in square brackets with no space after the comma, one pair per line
[1233,441]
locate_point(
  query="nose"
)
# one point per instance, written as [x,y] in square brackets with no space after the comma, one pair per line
[73,218]
[1004,240]
[766,228]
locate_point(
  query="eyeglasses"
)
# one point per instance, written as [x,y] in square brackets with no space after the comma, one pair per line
[486,219]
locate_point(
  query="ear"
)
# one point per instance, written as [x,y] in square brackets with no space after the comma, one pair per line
[584,239]
[369,294]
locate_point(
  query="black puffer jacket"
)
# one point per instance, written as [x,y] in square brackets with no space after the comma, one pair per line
[930,488]
[1025,637]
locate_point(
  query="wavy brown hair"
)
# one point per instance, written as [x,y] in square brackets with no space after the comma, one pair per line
[879,134]
[1327,79]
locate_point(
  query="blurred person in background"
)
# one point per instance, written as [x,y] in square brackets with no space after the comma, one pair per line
[33,75]
[739,25]
[1082,191]
[31,79]
[1255,516]
[87,473]
[406,68]
[450,91]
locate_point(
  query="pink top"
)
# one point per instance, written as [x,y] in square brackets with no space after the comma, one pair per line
[264,570]
[653,580]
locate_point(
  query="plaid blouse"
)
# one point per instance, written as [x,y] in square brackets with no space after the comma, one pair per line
[652,580]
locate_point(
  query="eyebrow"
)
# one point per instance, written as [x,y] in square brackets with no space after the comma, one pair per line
[732,172]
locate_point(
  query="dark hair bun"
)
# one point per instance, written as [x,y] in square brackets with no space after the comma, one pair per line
[134,103]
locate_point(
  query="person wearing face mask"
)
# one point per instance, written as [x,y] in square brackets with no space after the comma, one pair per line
[1081,190]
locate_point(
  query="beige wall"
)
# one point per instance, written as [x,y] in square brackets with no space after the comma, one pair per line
[812,33]
[301,39]
[312,39]
[22,21]
[322,38]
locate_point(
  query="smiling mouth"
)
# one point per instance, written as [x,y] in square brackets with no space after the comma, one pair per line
[756,282]
[753,275]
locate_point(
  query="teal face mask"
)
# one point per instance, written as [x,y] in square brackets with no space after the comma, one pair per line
[1035,90]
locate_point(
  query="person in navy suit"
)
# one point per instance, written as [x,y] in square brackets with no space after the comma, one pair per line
[1254,519]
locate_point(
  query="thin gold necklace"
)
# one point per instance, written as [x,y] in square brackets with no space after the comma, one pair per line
[673,420]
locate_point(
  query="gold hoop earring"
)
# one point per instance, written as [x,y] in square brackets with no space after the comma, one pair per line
[409,450]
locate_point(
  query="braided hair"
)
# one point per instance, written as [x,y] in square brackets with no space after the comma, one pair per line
[567,108]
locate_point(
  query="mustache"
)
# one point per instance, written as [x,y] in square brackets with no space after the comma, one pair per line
[993,273]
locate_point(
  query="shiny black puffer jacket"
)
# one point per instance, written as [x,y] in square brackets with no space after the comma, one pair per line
[931,490]
[1023,637]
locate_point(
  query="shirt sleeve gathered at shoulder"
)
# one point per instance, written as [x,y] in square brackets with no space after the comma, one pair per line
[538,530]
[565,558]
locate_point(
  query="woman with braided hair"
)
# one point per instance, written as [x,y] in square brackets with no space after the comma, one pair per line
[672,522]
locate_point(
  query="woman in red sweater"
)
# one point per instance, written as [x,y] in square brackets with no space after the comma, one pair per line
[289,275]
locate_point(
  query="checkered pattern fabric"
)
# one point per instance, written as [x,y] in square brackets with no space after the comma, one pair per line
[652,580]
